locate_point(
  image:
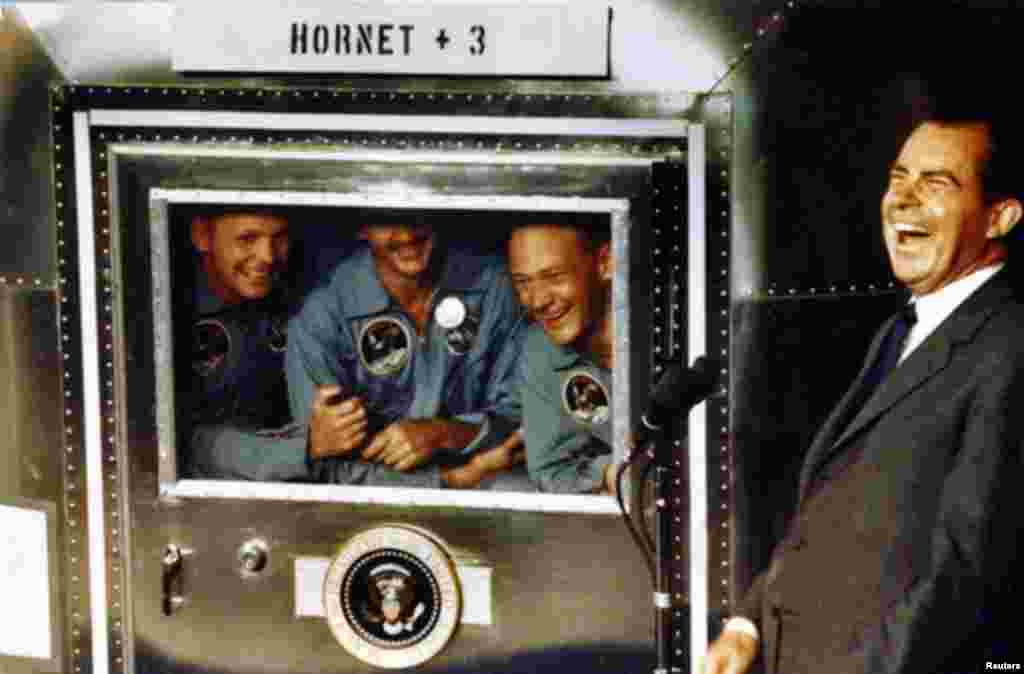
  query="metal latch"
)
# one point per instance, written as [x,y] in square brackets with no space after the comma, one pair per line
[173,592]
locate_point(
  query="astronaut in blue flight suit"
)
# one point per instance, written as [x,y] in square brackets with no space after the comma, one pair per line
[562,274]
[242,426]
[407,358]
[240,422]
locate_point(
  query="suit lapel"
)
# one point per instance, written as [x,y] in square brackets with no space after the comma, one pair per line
[927,361]
[825,438]
[930,358]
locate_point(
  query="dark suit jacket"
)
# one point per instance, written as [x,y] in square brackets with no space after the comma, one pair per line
[938,515]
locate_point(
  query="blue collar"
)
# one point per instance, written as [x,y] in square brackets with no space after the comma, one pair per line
[565,357]
[369,296]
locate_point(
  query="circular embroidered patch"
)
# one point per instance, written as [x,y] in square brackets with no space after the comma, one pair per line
[385,345]
[585,398]
[211,344]
[392,597]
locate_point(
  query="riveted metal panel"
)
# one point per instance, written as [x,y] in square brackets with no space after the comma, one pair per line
[33,456]
[126,160]
[26,195]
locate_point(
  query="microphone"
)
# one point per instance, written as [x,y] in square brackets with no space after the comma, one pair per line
[677,389]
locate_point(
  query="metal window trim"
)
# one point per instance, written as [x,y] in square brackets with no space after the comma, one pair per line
[92,413]
[698,421]
[171,487]
[392,123]
[397,155]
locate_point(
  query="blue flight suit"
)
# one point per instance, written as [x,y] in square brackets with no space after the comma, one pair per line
[240,422]
[350,332]
[567,424]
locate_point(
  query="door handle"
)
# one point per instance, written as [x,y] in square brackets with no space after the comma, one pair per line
[173,593]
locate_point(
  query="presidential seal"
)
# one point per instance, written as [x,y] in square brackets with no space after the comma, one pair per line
[385,344]
[392,597]
[585,398]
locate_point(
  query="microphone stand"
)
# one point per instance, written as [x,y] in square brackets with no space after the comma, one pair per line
[677,390]
[662,457]
[657,456]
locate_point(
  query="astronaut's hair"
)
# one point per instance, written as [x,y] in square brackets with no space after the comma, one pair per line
[594,232]
[211,212]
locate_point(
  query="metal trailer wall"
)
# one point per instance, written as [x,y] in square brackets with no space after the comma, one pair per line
[31,452]
[112,137]
[820,99]
[125,44]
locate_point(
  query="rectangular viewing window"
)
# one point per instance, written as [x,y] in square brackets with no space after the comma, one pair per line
[389,349]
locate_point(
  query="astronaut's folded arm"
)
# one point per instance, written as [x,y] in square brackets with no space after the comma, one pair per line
[483,429]
[461,437]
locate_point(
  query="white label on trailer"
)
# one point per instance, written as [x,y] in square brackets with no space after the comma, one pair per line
[476,594]
[475,582]
[310,573]
[551,39]
[25,629]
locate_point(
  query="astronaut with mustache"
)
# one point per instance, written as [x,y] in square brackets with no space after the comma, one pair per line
[440,405]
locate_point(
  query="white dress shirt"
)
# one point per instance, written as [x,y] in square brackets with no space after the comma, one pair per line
[931,309]
[936,307]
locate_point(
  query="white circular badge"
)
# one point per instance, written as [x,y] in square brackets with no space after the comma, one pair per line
[392,597]
[450,313]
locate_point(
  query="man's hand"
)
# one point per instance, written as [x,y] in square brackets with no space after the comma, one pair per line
[493,460]
[406,444]
[732,653]
[507,454]
[335,428]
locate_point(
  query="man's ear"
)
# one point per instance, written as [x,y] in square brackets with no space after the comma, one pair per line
[1006,215]
[201,234]
[605,265]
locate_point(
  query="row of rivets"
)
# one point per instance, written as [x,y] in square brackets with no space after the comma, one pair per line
[585,100]
[835,289]
[104,262]
[775,22]
[379,141]
[668,279]
[719,316]
[74,492]
[25,281]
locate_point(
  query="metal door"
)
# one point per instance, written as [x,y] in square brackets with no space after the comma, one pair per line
[217,575]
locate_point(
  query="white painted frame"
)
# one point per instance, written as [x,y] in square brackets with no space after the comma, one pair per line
[170,486]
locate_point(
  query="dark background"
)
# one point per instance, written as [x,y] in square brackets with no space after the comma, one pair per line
[835,90]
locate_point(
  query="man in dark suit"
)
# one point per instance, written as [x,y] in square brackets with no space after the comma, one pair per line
[900,556]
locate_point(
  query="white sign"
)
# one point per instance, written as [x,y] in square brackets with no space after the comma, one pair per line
[25,628]
[400,38]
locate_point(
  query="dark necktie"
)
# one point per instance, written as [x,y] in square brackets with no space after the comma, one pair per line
[888,358]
